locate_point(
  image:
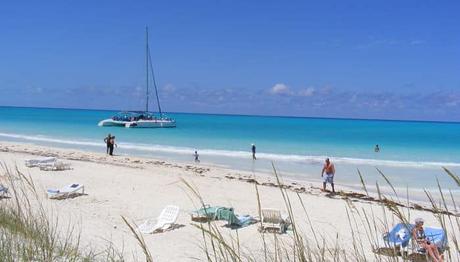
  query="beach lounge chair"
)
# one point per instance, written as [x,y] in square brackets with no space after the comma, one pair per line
[54,166]
[39,161]
[208,213]
[65,192]
[272,220]
[3,191]
[436,236]
[165,221]
[204,214]
[399,239]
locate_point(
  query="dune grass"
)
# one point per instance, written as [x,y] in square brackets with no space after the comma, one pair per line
[309,244]
[27,233]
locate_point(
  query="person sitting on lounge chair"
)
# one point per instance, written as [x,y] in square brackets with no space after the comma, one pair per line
[419,236]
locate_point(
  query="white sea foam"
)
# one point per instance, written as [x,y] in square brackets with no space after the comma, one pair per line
[236,154]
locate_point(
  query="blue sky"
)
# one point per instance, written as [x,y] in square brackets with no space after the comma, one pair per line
[360,59]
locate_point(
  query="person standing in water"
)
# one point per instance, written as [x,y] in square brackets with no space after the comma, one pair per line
[253,149]
[107,142]
[197,160]
[330,172]
[112,145]
[377,149]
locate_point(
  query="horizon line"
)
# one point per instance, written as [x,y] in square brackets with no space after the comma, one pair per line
[255,115]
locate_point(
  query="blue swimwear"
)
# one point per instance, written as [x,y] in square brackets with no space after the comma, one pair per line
[328,178]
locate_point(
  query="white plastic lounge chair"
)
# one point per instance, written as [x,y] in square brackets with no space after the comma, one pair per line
[39,161]
[66,191]
[273,220]
[3,190]
[165,220]
[54,166]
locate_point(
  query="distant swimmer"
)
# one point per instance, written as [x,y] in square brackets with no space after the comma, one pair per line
[330,172]
[377,149]
[107,142]
[197,160]
[253,149]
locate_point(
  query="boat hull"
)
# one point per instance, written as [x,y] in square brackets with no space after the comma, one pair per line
[159,123]
[111,122]
[151,124]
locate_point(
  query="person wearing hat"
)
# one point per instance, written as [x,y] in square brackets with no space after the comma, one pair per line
[253,149]
[418,234]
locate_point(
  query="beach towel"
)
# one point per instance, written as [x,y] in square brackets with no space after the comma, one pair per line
[222,213]
[401,235]
[205,212]
[3,190]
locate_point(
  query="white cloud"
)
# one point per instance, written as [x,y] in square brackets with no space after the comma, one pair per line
[310,91]
[353,98]
[453,102]
[280,89]
[168,88]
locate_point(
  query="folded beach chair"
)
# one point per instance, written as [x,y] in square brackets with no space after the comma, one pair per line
[165,221]
[271,219]
[66,191]
[400,239]
[3,190]
[54,166]
[39,161]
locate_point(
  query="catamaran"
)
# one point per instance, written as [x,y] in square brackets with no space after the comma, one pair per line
[142,118]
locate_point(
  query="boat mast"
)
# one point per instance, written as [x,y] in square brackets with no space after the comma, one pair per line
[155,85]
[149,60]
[147,54]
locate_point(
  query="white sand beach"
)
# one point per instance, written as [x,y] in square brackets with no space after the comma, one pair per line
[139,188]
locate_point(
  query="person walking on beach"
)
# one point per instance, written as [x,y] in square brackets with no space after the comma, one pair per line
[112,144]
[253,149]
[107,142]
[197,160]
[330,172]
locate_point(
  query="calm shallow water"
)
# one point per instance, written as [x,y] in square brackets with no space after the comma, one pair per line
[412,153]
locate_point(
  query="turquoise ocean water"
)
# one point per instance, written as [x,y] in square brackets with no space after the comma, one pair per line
[412,153]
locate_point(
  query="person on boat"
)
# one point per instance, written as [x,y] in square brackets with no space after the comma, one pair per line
[253,149]
[197,160]
[377,149]
[112,145]
[107,142]
[418,234]
[330,172]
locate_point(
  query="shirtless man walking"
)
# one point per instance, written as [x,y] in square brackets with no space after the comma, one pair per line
[330,172]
